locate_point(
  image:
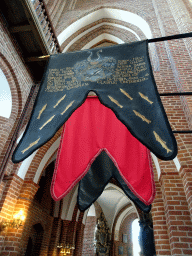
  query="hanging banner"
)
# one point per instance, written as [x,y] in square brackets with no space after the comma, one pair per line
[122,78]
[100,173]
[91,129]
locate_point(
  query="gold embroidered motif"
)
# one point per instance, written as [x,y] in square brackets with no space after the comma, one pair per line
[145,98]
[163,143]
[30,145]
[68,106]
[41,111]
[59,101]
[115,101]
[142,117]
[126,94]
[46,122]
[44,56]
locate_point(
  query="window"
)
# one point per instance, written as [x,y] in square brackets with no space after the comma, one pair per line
[135,237]
[5,96]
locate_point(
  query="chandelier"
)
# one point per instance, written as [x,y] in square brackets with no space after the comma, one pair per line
[65,249]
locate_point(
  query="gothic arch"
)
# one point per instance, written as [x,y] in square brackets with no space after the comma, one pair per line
[101,25]
[6,133]
[13,85]
[115,14]
[121,215]
[74,36]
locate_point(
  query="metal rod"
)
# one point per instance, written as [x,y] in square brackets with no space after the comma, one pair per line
[164,38]
[182,131]
[175,93]
[153,40]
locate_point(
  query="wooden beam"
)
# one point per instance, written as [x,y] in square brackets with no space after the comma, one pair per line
[21,28]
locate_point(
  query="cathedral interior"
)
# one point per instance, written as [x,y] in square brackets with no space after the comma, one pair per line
[31,222]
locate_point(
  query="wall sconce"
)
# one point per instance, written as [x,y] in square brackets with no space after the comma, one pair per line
[65,248]
[15,223]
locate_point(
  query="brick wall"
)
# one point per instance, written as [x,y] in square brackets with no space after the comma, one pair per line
[20,82]
[162,244]
[79,236]
[12,187]
[83,8]
[177,214]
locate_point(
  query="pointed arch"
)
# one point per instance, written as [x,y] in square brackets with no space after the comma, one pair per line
[102,13]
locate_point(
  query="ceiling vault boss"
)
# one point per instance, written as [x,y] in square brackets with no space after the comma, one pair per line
[122,78]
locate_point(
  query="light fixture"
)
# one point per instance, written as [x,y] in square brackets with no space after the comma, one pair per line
[16,222]
[65,249]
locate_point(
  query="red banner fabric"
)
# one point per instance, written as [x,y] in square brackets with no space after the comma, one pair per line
[91,129]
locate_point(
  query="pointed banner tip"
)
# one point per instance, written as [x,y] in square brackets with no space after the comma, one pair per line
[96,179]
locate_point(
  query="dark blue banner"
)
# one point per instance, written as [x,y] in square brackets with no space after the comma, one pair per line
[122,78]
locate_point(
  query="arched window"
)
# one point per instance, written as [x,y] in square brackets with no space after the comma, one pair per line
[135,237]
[5,96]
